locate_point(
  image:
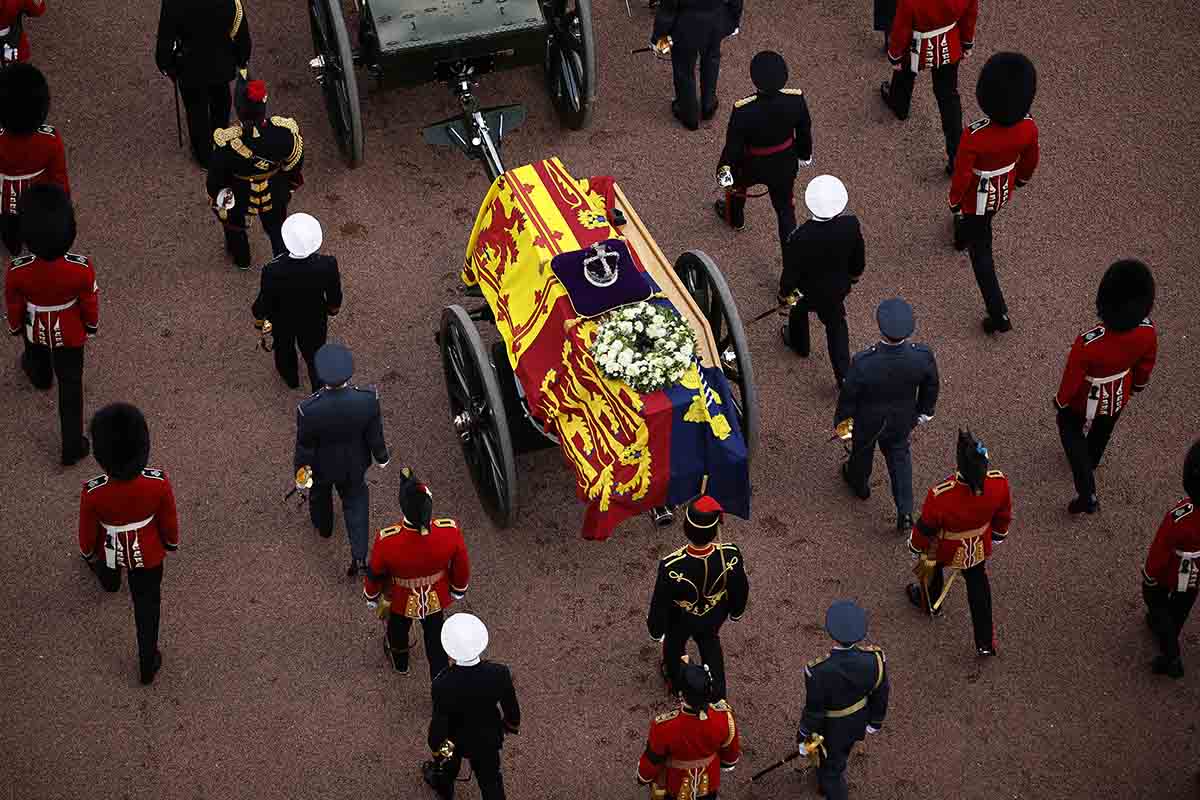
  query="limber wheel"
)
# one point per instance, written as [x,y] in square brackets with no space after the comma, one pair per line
[478,414]
[707,287]
[570,64]
[333,66]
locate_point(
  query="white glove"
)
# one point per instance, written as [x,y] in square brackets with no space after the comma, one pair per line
[725,177]
[372,605]
[736,31]
[384,464]
[457,595]
[658,639]
[872,730]
[225,199]
[730,768]
[923,418]
[807,163]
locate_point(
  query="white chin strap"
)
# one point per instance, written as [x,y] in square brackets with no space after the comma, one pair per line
[469,663]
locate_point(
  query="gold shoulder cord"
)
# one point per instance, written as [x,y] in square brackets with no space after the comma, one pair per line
[237,18]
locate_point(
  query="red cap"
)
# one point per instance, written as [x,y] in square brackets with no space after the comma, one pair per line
[707,504]
[256,91]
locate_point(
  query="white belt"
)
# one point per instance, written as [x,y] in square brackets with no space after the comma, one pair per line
[920,36]
[28,177]
[1093,400]
[985,181]
[133,526]
[1187,569]
[36,309]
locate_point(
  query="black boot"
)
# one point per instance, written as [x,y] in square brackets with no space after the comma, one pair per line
[1171,667]
[151,669]
[1082,505]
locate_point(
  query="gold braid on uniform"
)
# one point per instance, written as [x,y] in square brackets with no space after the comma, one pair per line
[237,18]
[298,144]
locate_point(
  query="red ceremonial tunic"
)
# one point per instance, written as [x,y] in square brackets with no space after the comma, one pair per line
[57,300]
[25,160]
[1104,366]
[1177,540]
[992,159]
[135,518]
[9,9]
[684,753]
[421,569]
[932,32]
[962,523]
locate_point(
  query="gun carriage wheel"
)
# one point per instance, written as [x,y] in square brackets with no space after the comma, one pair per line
[570,63]
[707,287]
[478,414]
[333,65]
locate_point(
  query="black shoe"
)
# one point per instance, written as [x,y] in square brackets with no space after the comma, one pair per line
[861,493]
[85,449]
[292,383]
[904,523]
[147,675]
[885,93]
[986,652]
[1002,325]
[1081,505]
[323,534]
[691,126]
[1172,668]
[914,596]
[787,339]
[712,112]
[950,167]
[356,565]
[719,207]
[387,649]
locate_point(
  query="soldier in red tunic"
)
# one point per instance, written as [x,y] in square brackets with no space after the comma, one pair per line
[1106,364]
[51,298]
[424,560]
[1171,576]
[14,42]
[933,35]
[127,521]
[31,152]
[689,748]
[960,521]
[995,154]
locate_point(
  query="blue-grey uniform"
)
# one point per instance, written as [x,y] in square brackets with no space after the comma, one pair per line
[890,388]
[846,695]
[339,432]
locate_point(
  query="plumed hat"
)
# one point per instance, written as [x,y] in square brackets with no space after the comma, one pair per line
[1006,86]
[24,98]
[825,197]
[1191,472]
[1126,295]
[702,520]
[301,235]
[47,221]
[416,501]
[769,71]
[121,440]
[251,99]
[846,622]
[464,638]
[334,363]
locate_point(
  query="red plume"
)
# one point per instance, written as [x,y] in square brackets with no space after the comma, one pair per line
[256,91]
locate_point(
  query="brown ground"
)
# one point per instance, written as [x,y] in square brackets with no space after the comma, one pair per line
[275,684]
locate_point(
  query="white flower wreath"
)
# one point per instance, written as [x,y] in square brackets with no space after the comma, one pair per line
[646,345]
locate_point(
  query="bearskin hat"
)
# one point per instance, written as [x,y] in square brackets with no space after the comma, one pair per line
[696,685]
[1006,86]
[768,71]
[121,440]
[24,98]
[416,501]
[972,460]
[47,221]
[1191,472]
[1126,295]
[702,520]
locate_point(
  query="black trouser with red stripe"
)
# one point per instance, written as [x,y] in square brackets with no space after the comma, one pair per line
[43,364]
[780,191]
[979,598]
[1167,612]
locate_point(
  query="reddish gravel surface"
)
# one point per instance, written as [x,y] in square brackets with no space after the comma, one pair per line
[275,685]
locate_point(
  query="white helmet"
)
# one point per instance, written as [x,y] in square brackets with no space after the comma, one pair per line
[825,197]
[302,235]
[464,638]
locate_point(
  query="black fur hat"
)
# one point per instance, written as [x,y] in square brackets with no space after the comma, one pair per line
[121,440]
[1191,472]
[24,98]
[768,71]
[47,221]
[1126,295]
[696,685]
[972,460]
[1006,87]
[416,501]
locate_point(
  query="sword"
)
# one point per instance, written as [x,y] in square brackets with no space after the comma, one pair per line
[814,749]
[790,302]
[178,123]
[775,766]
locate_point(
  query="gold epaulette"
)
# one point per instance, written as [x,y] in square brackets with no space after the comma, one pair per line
[722,705]
[667,716]
[791,91]
[445,522]
[237,18]
[289,124]
[943,487]
[745,101]
[726,545]
[391,529]
[870,648]
[995,473]
[223,136]
[816,661]
[286,122]
[674,556]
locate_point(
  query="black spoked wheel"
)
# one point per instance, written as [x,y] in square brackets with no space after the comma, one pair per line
[571,60]
[333,65]
[478,414]
[707,287]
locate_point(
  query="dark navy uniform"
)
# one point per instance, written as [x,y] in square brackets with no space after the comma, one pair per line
[698,587]
[202,44]
[769,133]
[890,388]
[846,695]
[298,296]
[339,431]
[696,28]
[474,707]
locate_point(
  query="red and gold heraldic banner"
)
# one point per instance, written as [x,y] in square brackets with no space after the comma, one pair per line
[617,441]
